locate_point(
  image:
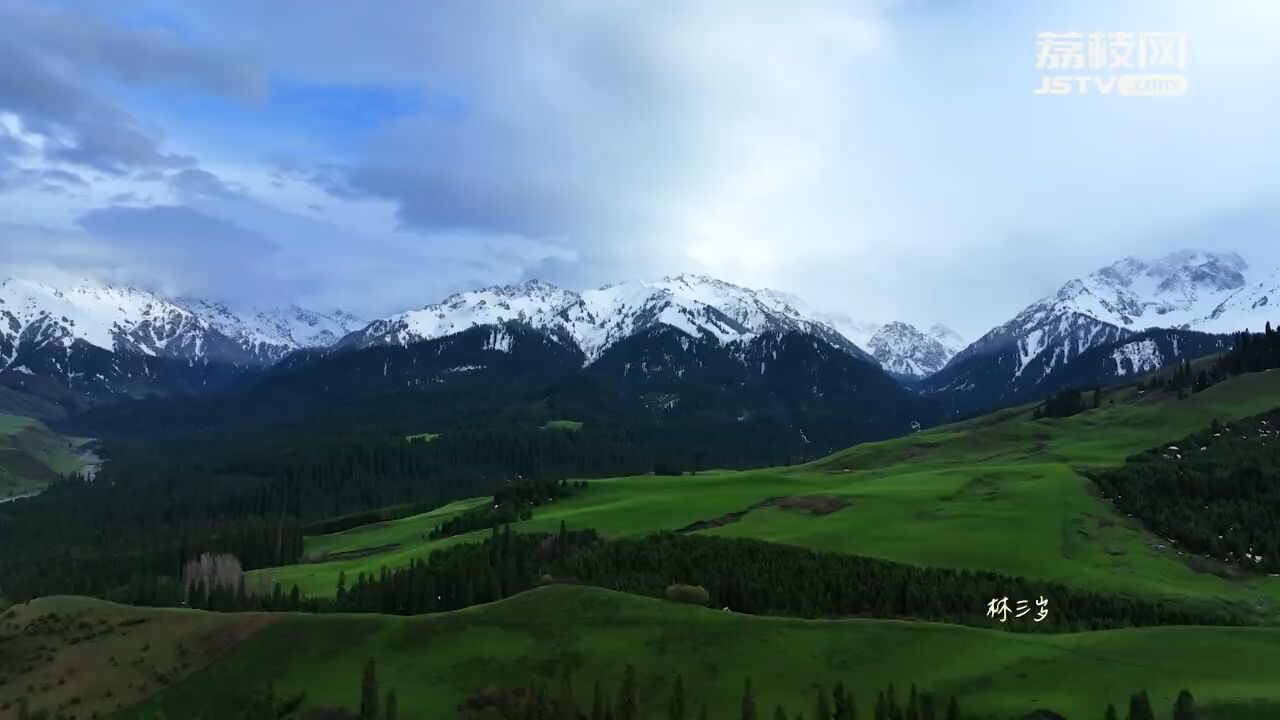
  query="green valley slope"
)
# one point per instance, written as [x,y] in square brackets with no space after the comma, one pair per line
[435,661]
[1002,492]
[32,455]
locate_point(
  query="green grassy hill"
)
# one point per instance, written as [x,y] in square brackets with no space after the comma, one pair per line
[1002,492]
[32,455]
[435,661]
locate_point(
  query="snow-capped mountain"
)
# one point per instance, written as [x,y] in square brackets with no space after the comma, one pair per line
[35,316]
[594,320]
[1180,291]
[898,347]
[92,340]
[270,334]
[903,350]
[1251,307]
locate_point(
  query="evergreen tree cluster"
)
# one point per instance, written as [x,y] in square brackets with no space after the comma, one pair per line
[1064,404]
[1216,492]
[536,702]
[1250,353]
[512,502]
[125,535]
[748,576]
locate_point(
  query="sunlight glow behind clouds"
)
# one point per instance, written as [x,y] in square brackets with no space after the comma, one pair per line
[880,159]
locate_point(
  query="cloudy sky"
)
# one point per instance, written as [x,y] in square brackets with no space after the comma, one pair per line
[883,159]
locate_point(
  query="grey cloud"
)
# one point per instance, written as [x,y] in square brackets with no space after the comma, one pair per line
[64,177]
[329,177]
[138,56]
[197,183]
[196,252]
[448,202]
[173,226]
[49,58]
[115,148]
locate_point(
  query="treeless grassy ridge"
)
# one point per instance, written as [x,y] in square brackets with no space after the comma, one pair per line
[435,661]
[78,656]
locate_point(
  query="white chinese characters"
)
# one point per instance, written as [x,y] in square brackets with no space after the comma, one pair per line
[1000,609]
[1124,63]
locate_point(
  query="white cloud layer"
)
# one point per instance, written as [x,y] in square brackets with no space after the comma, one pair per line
[881,159]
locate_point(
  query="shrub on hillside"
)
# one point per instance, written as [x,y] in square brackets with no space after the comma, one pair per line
[691,594]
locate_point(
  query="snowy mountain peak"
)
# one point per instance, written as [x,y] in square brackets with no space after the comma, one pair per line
[903,350]
[1251,307]
[1189,289]
[40,319]
[268,334]
[596,319]
[35,314]
[1174,290]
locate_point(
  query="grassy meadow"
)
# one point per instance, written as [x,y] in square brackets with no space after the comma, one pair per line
[80,656]
[32,455]
[1002,492]
[435,661]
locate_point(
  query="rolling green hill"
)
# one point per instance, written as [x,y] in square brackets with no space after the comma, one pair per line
[435,661]
[1002,492]
[32,455]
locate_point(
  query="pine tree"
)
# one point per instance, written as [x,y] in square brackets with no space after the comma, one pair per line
[597,702]
[927,709]
[748,702]
[882,708]
[566,708]
[392,709]
[1140,707]
[1185,707]
[953,709]
[821,710]
[779,713]
[843,702]
[676,710]
[628,696]
[1111,712]
[913,704]
[369,692]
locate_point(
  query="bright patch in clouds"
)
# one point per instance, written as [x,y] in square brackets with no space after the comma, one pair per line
[883,160]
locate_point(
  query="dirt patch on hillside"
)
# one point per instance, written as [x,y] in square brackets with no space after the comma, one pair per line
[353,554]
[816,505]
[219,640]
[725,519]
[813,504]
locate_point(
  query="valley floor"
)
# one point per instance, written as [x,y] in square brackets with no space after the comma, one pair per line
[1001,493]
[32,455]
